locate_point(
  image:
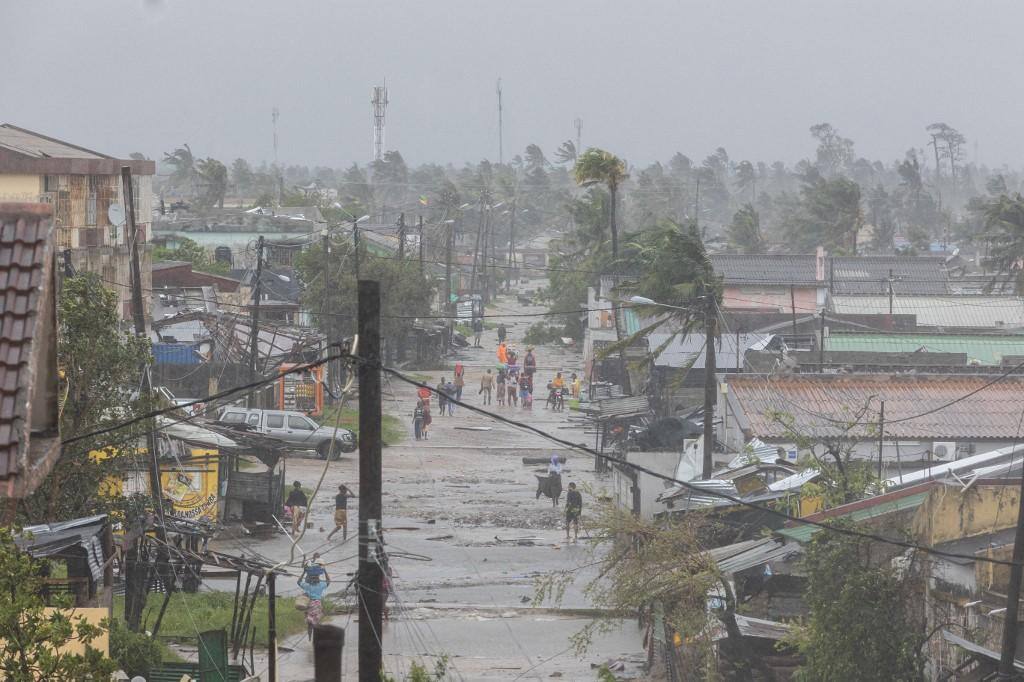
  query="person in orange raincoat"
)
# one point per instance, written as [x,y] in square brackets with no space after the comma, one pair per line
[502,353]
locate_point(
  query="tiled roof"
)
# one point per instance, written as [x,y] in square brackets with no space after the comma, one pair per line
[742,269]
[26,270]
[985,349]
[822,405]
[983,312]
[870,275]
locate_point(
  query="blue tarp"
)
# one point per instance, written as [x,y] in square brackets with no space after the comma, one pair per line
[176,354]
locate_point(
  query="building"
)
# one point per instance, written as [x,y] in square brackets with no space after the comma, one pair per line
[29,418]
[976,349]
[845,410]
[950,312]
[80,185]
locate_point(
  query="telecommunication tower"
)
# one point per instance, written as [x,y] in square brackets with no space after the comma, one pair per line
[379,105]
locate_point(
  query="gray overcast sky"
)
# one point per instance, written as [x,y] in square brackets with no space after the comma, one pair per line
[648,78]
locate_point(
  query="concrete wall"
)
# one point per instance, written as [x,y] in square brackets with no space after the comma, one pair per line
[951,513]
[650,486]
[771,298]
[19,187]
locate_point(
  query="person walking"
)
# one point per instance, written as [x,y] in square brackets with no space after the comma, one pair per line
[297,502]
[502,352]
[530,365]
[313,587]
[575,386]
[341,512]
[486,386]
[478,329]
[525,396]
[418,414]
[427,419]
[573,510]
[442,397]
[460,380]
[449,394]
[500,382]
[502,332]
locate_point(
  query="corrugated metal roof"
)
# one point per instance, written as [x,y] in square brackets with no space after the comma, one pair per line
[985,349]
[985,463]
[745,555]
[870,274]
[987,312]
[617,408]
[795,481]
[39,146]
[755,451]
[804,531]
[753,627]
[824,404]
[978,650]
[773,269]
[685,497]
[690,348]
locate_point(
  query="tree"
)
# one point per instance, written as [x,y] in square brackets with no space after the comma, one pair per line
[829,216]
[241,175]
[746,179]
[184,165]
[744,232]
[880,207]
[596,166]
[947,142]
[101,367]
[30,635]
[834,153]
[1004,232]
[566,152]
[191,252]
[861,626]
[214,176]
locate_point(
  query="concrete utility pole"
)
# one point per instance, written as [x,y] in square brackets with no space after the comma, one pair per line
[449,239]
[370,575]
[271,629]
[421,244]
[328,645]
[821,344]
[355,244]
[501,142]
[254,323]
[401,236]
[511,245]
[1009,650]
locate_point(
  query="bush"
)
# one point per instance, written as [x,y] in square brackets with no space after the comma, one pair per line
[135,653]
[540,333]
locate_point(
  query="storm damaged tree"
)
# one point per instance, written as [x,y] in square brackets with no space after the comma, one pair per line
[744,232]
[862,625]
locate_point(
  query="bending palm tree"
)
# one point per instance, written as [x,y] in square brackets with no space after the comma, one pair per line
[596,166]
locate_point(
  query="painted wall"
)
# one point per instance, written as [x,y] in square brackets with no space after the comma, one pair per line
[18,187]
[93,616]
[771,298]
[951,513]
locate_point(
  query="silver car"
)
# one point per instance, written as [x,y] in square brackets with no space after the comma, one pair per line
[294,428]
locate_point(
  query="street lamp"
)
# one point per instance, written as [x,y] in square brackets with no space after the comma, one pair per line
[710,369]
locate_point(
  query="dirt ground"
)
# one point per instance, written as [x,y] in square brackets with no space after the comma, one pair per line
[467,538]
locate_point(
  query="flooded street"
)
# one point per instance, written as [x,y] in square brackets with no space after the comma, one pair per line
[467,538]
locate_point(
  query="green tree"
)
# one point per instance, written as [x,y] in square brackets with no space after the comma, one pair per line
[744,232]
[184,165]
[1004,232]
[834,153]
[596,166]
[861,625]
[566,152]
[101,367]
[30,636]
[241,175]
[830,215]
[191,252]
[214,177]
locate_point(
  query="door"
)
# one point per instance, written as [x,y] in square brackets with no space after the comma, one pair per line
[274,426]
[301,429]
[213,656]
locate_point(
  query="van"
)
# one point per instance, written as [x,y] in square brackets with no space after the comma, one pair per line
[294,428]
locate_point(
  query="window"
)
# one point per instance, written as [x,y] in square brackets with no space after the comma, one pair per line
[275,421]
[253,420]
[233,418]
[299,423]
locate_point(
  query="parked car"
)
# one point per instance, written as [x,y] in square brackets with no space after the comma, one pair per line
[294,428]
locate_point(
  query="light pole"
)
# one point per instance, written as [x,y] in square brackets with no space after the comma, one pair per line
[710,369]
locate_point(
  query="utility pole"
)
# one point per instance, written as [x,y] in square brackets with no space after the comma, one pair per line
[821,344]
[254,323]
[271,629]
[578,123]
[501,142]
[136,587]
[355,243]
[328,321]
[421,244]
[710,382]
[476,246]
[881,438]
[1009,650]
[890,296]
[792,306]
[401,236]
[274,115]
[449,239]
[370,575]
[511,245]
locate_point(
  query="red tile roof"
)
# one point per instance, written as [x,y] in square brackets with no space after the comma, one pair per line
[26,334]
[822,405]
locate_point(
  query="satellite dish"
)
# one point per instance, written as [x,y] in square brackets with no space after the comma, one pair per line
[115,214]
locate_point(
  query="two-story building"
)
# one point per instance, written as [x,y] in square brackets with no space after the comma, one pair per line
[80,185]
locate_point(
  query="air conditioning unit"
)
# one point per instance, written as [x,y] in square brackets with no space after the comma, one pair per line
[943,451]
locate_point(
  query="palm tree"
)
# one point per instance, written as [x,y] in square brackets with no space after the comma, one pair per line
[567,152]
[184,166]
[1004,230]
[596,166]
[215,180]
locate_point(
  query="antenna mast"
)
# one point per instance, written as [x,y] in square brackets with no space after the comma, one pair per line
[579,134]
[501,149]
[380,105]
[274,115]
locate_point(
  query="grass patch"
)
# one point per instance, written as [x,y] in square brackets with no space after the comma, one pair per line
[394,431]
[203,611]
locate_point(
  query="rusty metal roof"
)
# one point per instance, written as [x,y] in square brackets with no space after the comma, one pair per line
[26,151]
[824,405]
[27,334]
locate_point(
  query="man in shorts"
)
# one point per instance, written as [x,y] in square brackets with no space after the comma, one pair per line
[298,503]
[573,509]
[341,512]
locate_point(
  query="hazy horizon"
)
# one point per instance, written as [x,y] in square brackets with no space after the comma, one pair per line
[647,82]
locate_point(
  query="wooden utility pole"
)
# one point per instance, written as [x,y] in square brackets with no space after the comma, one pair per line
[449,239]
[792,306]
[328,322]
[271,629]
[355,244]
[890,298]
[476,248]
[710,382]
[253,399]
[421,244]
[370,576]
[1009,650]
[511,245]
[401,236]
[821,344]
[135,590]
